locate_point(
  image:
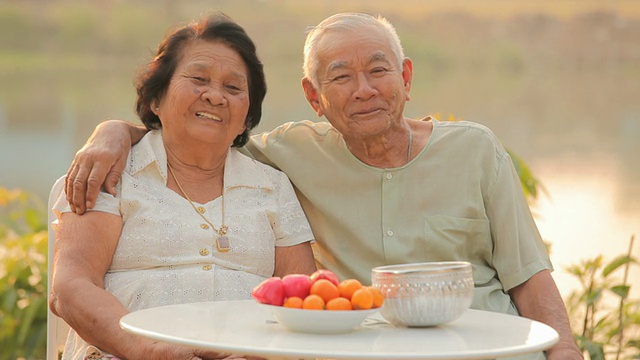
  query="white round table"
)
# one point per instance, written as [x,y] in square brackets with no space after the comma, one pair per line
[244,327]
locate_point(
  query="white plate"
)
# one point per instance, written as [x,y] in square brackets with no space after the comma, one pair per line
[319,321]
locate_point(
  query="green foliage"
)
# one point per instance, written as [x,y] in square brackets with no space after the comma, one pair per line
[530,185]
[23,276]
[610,326]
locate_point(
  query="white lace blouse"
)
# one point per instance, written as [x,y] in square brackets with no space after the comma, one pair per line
[166,255]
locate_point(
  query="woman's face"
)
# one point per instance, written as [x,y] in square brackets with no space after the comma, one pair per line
[208,96]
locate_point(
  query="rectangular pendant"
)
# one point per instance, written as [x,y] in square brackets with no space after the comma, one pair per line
[222,243]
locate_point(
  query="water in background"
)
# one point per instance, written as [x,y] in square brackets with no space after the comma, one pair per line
[560,88]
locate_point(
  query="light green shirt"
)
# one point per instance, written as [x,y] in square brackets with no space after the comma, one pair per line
[458,199]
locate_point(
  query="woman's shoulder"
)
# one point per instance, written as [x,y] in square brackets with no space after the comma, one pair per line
[148,150]
[249,171]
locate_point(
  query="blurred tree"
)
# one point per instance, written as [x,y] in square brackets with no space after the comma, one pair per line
[23,276]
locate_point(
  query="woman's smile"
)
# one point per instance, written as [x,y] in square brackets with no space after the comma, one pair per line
[207,115]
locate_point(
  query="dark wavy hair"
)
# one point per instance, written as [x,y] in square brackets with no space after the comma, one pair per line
[153,81]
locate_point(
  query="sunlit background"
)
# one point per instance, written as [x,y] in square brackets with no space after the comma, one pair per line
[557,81]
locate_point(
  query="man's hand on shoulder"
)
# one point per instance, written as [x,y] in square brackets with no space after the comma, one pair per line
[99,163]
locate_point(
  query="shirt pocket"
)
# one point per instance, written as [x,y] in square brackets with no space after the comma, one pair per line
[456,238]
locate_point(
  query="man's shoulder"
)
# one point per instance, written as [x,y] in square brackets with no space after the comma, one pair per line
[300,138]
[470,137]
[304,128]
[470,130]
[464,125]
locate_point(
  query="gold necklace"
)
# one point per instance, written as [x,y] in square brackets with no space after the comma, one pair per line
[222,242]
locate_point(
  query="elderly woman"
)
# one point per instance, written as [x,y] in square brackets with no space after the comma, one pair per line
[193,219]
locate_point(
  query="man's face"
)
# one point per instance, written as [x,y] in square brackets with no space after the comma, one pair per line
[362,89]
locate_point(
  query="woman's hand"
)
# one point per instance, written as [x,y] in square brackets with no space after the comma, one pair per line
[100,162]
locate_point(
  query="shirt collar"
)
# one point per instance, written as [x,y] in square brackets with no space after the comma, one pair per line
[239,170]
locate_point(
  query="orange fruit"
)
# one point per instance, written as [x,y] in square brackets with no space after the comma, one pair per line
[348,287]
[339,303]
[325,289]
[362,299]
[378,298]
[293,302]
[313,302]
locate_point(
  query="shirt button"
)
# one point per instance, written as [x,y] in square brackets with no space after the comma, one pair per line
[390,232]
[206,267]
[201,210]
[204,226]
[389,176]
[204,251]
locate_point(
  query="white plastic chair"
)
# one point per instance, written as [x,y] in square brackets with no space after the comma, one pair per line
[57,329]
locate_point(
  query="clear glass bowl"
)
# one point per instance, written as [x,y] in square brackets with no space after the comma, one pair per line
[424,294]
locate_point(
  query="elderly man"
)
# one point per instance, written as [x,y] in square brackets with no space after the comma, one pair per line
[379,188]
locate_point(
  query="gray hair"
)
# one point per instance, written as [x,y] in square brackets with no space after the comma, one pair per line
[342,22]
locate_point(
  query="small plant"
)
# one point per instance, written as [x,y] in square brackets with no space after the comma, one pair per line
[23,276]
[610,326]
